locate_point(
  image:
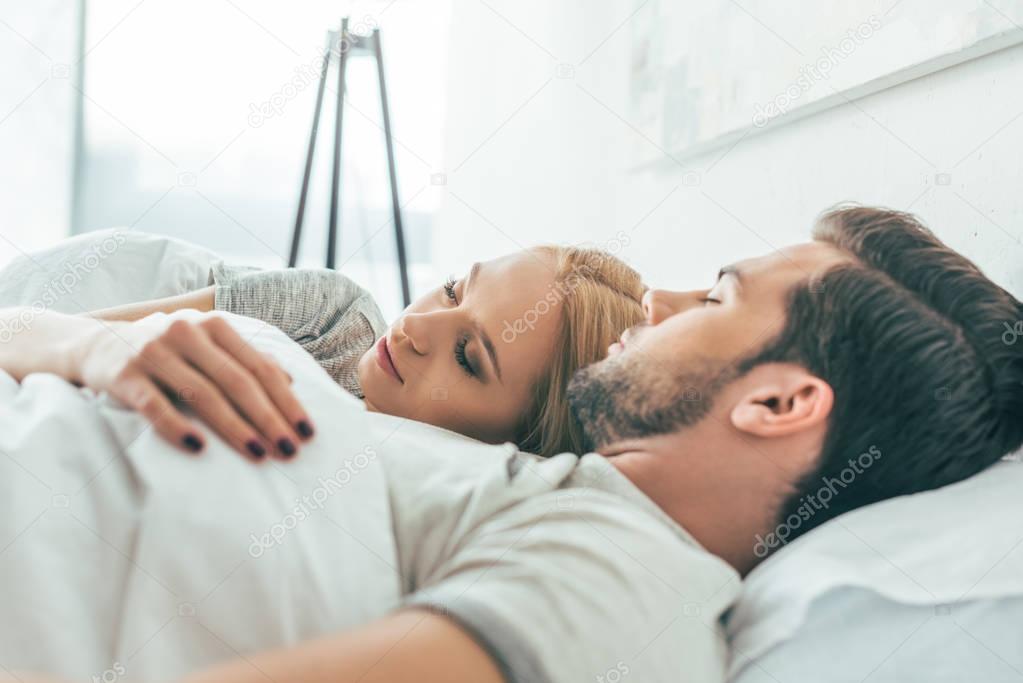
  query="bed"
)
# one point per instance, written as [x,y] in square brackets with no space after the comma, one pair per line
[926,587]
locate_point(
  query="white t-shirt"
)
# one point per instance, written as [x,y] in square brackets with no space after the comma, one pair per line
[120,552]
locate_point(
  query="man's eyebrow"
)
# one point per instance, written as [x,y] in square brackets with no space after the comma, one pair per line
[473,272]
[732,270]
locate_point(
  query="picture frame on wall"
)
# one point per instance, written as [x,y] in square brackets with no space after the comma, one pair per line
[707,75]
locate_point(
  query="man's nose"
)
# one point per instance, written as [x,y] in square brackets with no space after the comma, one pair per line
[661,304]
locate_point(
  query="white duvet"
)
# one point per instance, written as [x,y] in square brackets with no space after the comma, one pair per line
[121,556]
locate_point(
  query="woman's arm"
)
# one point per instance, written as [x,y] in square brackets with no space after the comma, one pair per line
[200,299]
[34,341]
[240,392]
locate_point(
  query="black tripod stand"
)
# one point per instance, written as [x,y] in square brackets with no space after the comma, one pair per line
[346,45]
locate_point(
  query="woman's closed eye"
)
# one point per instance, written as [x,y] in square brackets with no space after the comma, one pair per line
[463,359]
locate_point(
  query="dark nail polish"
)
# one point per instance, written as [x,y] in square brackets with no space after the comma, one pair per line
[305,430]
[192,443]
[256,448]
[287,448]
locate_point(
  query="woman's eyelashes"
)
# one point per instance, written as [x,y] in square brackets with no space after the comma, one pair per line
[462,358]
[449,289]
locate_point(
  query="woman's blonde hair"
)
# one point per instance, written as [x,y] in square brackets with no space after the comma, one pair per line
[599,296]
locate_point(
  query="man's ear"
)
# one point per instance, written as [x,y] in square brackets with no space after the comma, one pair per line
[782,399]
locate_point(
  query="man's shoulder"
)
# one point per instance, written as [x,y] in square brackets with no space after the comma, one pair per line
[594,504]
[539,560]
[460,487]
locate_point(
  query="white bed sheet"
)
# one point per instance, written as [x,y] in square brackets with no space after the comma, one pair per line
[121,553]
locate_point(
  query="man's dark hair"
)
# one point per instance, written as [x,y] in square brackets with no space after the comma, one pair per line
[912,338]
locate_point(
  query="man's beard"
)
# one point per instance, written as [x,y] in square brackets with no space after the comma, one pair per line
[628,397]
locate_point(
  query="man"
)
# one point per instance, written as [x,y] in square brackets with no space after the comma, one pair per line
[716,420]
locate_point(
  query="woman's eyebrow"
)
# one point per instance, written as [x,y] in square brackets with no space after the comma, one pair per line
[484,337]
[489,346]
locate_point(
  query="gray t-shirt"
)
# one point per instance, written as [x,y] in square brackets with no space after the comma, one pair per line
[332,318]
[560,568]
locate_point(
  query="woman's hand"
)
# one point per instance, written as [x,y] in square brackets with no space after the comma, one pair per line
[152,367]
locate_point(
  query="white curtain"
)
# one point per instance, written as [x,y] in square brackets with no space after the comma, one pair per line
[37,49]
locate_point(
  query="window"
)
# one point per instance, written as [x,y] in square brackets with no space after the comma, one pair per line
[197,117]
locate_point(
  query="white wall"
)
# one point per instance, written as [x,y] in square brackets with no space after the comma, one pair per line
[540,145]
[560,166]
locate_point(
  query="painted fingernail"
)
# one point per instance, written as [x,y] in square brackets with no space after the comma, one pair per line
[192,443]
[305,430]
[287,448]
[256,448]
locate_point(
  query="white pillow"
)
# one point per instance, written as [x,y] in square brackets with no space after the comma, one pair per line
[105,268]
[855,635]
[938,550]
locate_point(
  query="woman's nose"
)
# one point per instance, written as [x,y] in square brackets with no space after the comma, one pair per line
[415,327]
[661,304]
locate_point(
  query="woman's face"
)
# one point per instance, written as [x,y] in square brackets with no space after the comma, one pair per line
[466,355]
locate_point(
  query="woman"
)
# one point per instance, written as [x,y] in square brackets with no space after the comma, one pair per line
[488,355]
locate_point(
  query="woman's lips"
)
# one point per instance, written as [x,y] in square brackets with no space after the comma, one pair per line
[618,346]
[385,361]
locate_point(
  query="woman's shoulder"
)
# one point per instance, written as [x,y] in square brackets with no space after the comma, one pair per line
[331,316]
[305,293]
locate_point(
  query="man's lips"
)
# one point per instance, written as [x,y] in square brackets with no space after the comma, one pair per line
[385,361]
